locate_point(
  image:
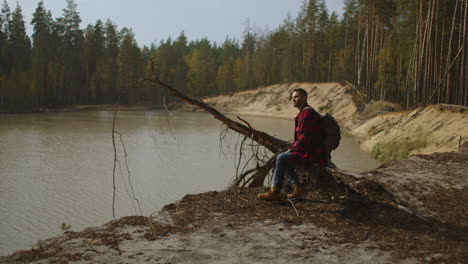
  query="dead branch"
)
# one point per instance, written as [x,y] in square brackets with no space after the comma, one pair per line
[122,92]
[295,209]
[240,155]
[331,182]
[273,144]
[129,174]
[253,177]
[247,123]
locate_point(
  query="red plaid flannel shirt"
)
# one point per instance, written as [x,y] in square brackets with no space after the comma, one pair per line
[308,139]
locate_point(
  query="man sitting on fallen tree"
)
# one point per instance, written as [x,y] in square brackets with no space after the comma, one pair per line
[307,149]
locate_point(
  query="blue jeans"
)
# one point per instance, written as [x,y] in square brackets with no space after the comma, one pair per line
[284,166]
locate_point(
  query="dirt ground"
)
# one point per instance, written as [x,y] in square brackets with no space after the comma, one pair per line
[233,226]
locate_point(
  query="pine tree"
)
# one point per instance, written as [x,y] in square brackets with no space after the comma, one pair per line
[289,49]
[180,68]
[71,21]
[202,68]
[94,60]
[307,27]
[42,54]
[350,32]
[333,44]
[110,68]
[130,66]
[225,76]
[19,48]
[320,38]
[409,52]
[74,75]
[19,42]
[5,17]
[249,44]
[170,61]
[5,64]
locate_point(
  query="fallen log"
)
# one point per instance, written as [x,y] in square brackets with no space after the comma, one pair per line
[273,144]
[334,183]
[255,177]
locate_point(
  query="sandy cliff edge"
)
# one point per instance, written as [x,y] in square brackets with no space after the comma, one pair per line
[440,127]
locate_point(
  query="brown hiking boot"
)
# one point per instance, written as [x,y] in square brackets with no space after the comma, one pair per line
[272,195]
[298,192]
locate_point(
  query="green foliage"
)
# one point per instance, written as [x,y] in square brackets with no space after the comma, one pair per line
[201,62]
[19,42]
[396,150]
[65,227]
[130,67]
[385,48]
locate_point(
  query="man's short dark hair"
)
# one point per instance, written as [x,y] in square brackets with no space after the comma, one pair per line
[300,91]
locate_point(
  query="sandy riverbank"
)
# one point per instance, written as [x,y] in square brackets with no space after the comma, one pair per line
[438,127]
[273,101]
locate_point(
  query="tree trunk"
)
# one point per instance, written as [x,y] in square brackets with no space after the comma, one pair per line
[464,58]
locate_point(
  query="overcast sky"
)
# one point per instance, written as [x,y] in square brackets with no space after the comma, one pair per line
[153,20]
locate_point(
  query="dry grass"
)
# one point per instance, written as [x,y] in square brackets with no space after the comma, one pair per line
[375,108]
[326,108]
[396,150]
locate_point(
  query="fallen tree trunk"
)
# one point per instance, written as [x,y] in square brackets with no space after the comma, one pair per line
[251,178]
[255,177]
[273,144]
[333,183]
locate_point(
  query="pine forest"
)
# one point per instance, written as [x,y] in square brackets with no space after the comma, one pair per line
[409,52]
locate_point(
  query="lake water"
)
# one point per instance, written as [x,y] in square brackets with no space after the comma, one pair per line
[57,168]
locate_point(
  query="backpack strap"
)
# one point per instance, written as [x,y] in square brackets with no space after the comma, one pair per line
[307,106]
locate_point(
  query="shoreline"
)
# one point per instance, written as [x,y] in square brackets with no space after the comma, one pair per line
[429,129]
[102,107]
[384,132]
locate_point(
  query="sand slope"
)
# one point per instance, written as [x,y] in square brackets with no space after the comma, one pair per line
[441,128]
[438,125]
[274,101]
